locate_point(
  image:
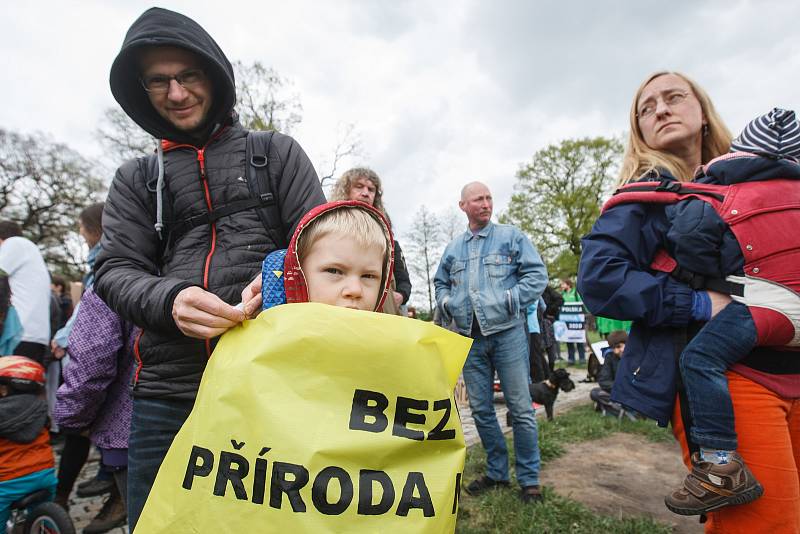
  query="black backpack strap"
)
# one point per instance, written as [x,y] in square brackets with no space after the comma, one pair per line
[262,187]
[697,282]
[262,196]
[181,227]
[723,286]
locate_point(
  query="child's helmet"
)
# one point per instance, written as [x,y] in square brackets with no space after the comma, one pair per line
[21,373]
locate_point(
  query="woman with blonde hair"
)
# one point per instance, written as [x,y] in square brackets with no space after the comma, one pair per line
[674,130]
[364,184]
[642,159]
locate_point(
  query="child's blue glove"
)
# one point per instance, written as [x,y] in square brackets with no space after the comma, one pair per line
[272,291]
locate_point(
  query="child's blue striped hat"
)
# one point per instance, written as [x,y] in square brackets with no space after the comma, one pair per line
[775,135]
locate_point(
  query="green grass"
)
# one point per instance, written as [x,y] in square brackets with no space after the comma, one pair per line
[501,511]
[582,423]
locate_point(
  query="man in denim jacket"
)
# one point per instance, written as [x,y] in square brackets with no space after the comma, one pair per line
[487,278]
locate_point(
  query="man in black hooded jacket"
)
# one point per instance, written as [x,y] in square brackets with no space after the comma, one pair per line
[181,282]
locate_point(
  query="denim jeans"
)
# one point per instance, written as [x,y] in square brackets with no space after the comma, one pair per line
[571,352]
[724,340]
[507,353]
[154,424]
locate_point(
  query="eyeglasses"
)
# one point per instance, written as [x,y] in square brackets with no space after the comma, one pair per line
[671,99]
[159,83]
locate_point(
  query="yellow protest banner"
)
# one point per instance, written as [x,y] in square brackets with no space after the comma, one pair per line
[312,418]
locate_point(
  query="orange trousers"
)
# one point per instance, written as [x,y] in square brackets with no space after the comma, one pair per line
[768,430]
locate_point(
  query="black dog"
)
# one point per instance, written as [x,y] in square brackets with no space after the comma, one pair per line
[545,393]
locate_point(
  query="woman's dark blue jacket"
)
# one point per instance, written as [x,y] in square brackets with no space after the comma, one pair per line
[616,281]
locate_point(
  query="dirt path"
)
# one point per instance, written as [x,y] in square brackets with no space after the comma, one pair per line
[622,475]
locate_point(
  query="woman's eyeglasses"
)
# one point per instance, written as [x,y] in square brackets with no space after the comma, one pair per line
[671,99]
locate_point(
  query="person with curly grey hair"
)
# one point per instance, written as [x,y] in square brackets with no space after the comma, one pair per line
[364,184]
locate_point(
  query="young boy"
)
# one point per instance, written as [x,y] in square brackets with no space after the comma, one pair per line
[340,254]
[26,458]
[768,149]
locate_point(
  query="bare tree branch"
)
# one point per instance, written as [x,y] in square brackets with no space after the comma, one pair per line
[44,186]
[424,251]
[348,144]
[122,138]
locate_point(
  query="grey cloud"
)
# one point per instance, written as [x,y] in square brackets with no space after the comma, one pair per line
[387,20]
[576,56]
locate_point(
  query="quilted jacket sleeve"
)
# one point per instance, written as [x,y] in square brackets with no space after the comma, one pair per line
[127,268]
[614,277]
[97,336]
[695,236]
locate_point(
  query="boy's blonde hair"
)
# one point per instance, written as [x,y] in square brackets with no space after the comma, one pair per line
[350,221]
[640,159]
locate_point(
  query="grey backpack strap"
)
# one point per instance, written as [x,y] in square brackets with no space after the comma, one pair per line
[263,187]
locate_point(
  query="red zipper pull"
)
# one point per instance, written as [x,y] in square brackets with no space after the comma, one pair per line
[201,157]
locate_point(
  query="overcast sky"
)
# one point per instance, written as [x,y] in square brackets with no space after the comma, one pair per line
[442,92]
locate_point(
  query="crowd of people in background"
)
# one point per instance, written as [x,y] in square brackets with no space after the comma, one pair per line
[89,362]
[85,372]
[120,355]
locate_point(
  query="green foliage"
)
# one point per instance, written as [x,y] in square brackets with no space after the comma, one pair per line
[558,196]
[501,511]
[424,315]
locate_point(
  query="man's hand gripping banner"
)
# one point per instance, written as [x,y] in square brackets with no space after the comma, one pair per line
[313,418]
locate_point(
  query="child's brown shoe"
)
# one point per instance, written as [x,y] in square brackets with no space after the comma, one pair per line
[710,487]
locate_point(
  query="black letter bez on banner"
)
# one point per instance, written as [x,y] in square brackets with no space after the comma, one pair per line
[403,416]
[361,410]
[438,431]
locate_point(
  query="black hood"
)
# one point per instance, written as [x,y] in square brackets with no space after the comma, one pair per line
[161,27]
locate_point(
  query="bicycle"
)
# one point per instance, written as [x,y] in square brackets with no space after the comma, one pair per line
[36,513]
